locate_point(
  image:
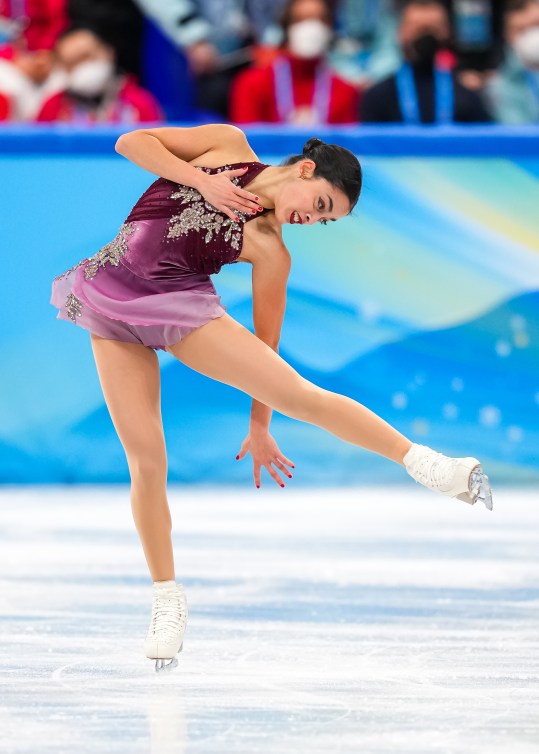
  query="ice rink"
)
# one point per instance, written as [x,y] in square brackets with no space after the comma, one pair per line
[354,620]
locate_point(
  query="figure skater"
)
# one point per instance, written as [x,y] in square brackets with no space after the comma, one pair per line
[150,288]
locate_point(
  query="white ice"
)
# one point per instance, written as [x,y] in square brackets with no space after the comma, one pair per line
[350,620]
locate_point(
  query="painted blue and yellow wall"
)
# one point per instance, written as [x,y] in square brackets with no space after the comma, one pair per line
[424,305]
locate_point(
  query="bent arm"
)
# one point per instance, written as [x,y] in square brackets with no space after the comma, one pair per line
[269,278]
[167,151]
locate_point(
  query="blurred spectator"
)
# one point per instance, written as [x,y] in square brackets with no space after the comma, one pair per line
[95,90]
[119,23]
[217,37]
[424,89]
[28,78]
[28,75]
[39,21]
[366,50]
[514,90]
[298,86]
[477,33]
[477,40]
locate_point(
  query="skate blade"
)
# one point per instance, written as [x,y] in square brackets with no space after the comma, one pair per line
[479,489]
[163,666]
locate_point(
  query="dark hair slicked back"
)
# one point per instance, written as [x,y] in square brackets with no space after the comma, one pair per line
[337,165]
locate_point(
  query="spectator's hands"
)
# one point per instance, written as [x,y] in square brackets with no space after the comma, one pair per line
[202,57]
[265,451]
[225,196]
[304,114]
[474,80]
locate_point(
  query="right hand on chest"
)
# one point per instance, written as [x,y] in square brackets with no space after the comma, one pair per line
[225,196]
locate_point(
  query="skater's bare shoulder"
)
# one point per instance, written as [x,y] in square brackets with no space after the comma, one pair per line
[210,145]
[263,245]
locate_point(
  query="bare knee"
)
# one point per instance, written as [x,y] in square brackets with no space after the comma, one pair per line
[147,468]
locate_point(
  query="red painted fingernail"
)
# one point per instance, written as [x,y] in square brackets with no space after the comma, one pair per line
[261,208]
[236,218]
[258,486]
[292,465]
[290,476]
[237,458]
[282,485]
[257,198]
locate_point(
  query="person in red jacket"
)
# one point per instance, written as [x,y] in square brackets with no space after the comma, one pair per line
[96,91]
[28,78]
[297,86]
[4,107]
[28,74]
[39,21]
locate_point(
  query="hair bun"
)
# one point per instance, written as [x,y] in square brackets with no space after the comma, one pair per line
[311,145]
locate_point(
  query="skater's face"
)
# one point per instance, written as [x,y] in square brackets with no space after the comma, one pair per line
[306,199]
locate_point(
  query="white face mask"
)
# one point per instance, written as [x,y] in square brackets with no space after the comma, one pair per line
[91,79]
[309,39]
[526,47]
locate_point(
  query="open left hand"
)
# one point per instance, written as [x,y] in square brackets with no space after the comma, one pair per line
[265,452]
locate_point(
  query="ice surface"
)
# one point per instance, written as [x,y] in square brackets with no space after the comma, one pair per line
[354,620]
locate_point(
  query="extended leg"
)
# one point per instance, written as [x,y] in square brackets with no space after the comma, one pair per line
[228,352]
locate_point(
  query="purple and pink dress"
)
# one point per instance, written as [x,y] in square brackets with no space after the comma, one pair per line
[151,284]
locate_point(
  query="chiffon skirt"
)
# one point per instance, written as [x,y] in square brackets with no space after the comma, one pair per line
[115,303]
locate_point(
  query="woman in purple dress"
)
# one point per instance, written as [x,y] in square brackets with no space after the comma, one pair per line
[149,288]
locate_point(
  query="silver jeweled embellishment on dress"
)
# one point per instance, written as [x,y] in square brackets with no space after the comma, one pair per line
[186,193]
[110,253]
[73,306]
[202,215]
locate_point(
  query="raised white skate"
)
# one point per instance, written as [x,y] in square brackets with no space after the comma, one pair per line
[462,478]
[167,626]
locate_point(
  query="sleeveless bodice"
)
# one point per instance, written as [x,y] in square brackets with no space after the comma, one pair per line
[172,231]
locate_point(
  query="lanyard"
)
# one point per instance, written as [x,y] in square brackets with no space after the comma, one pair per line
[533,83]
[15,9]
[284,92]
[408,101]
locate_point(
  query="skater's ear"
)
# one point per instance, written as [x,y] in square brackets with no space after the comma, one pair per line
[337,165]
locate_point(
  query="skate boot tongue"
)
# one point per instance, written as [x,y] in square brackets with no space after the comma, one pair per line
[167,626]
[432,469]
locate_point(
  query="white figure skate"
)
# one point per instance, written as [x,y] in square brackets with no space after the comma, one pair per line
[167,626]
[462,478]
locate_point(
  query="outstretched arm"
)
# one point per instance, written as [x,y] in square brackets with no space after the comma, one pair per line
[269,279]
[271,268]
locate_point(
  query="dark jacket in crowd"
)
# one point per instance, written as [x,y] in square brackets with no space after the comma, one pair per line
[380,103]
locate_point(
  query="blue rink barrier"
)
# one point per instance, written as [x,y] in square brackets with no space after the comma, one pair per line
[399,141]
[423,305]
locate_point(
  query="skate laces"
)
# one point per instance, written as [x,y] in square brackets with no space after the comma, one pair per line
[168,614]
[433,469]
